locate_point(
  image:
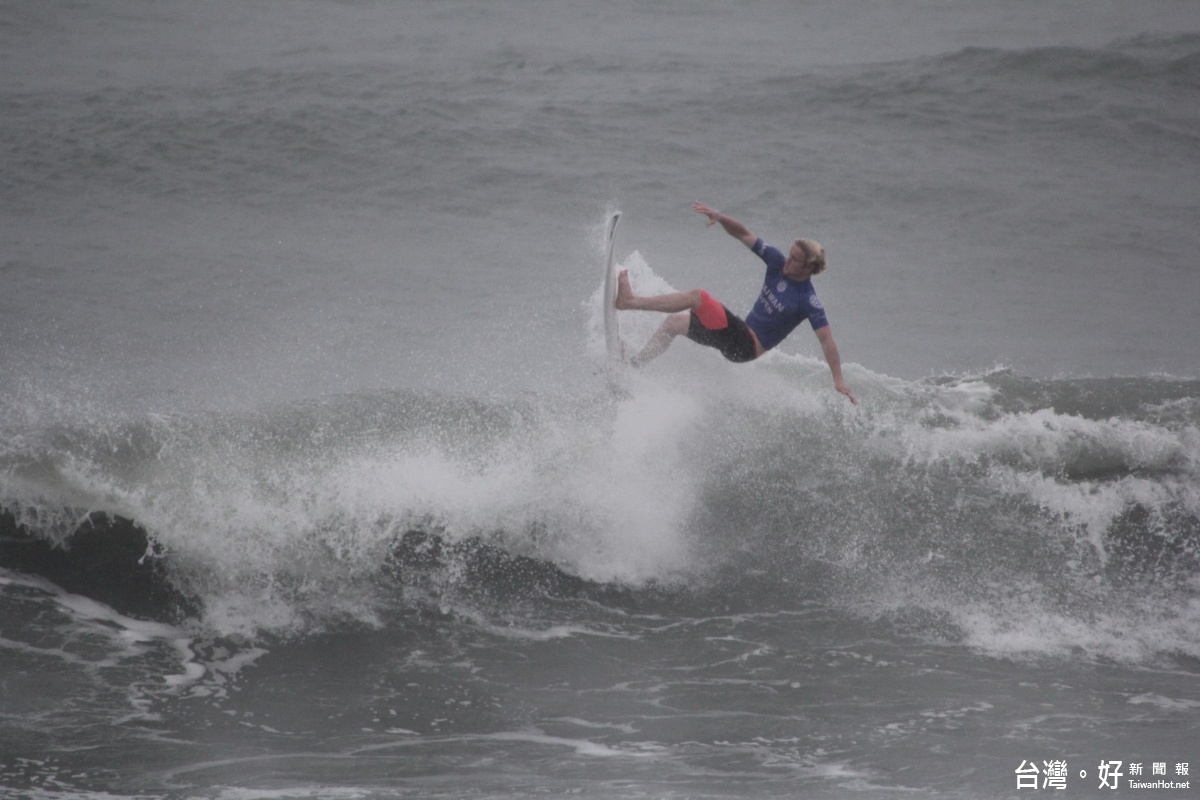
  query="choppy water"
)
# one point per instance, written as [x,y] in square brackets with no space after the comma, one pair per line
[313,484]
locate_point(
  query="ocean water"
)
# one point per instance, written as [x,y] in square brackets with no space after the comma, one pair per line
[314,483]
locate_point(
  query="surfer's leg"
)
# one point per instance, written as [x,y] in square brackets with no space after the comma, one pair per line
[668,303]
[674,325]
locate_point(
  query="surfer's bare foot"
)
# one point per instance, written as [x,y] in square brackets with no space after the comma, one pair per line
[629,358]
[624,293]
[632,360]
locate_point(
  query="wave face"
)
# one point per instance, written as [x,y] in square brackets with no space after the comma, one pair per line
[1013,514]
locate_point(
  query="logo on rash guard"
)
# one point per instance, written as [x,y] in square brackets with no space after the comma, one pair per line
[781,286]
[772,303]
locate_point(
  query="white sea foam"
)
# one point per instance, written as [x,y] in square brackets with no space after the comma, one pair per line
[583,747]
[1167,703]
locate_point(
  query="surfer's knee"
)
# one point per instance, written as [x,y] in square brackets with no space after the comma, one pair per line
[676,324]
[672,326]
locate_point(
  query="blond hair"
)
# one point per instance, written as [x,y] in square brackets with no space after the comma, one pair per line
[814,254]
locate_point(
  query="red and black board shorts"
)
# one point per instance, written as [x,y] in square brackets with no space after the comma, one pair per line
[714,325]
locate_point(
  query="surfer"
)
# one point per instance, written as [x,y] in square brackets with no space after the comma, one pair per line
[787,299]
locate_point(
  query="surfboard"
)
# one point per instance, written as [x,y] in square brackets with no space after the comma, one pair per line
[612,334]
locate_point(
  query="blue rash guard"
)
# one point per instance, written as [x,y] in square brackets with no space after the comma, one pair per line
[783,303]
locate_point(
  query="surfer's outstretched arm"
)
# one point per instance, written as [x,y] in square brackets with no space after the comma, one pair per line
[734,228]
[834,359]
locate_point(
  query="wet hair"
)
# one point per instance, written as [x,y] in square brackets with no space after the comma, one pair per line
[814,254]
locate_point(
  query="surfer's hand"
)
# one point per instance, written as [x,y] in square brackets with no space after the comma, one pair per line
[713,215]
[844,389]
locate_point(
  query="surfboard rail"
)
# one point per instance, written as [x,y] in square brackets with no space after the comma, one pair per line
[612,333]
